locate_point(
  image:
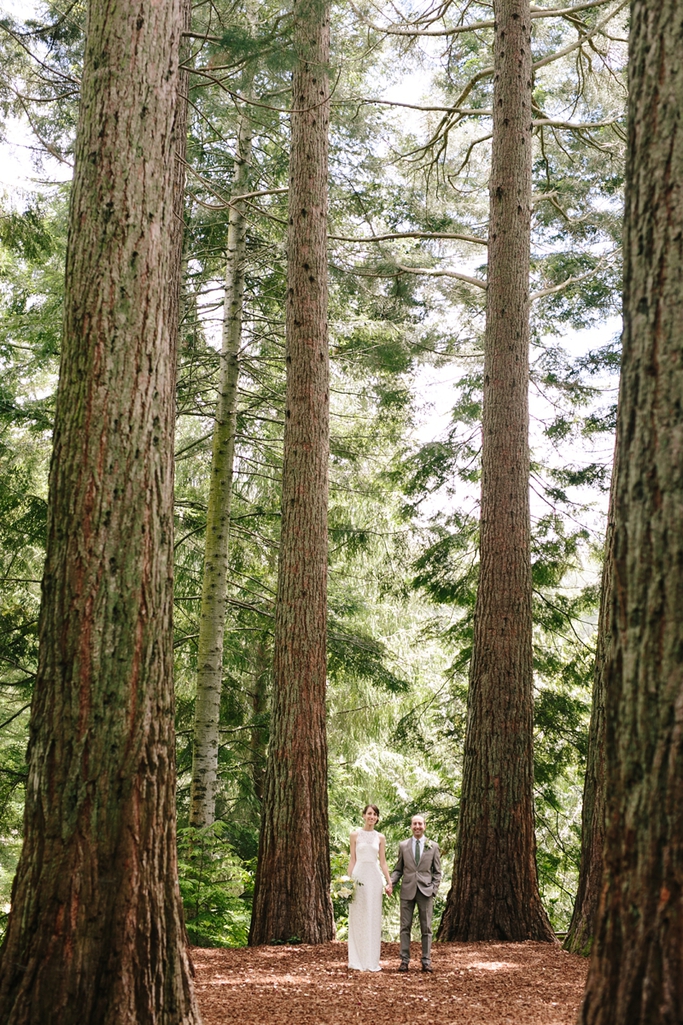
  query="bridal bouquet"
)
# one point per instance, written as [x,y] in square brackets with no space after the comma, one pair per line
[343,890]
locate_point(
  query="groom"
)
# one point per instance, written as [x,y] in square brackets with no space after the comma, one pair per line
[419,863]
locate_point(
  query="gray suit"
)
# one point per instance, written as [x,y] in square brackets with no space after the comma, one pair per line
[419,886]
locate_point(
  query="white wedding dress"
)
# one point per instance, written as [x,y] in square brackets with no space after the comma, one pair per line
[365,910]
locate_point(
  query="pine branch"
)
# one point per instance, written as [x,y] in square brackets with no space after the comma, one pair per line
[414,30]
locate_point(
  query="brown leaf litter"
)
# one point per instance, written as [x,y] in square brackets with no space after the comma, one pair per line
[473,984]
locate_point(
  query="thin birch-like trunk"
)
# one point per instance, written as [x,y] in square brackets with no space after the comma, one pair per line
[214,587]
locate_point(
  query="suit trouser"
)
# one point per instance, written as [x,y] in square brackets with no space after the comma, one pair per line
[425,906]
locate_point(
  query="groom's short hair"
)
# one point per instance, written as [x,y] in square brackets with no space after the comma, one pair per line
[418,815]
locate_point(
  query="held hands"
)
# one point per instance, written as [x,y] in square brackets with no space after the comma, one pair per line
[388,889]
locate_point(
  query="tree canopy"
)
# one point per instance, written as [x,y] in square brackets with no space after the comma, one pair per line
[410,131]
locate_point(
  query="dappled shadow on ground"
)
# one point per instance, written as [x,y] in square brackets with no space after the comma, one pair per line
[473,984]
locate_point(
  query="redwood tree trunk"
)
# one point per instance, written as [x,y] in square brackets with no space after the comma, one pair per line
[579,939]
[636,972]
[95,935]
[292,893]
[495,888]
[216,547]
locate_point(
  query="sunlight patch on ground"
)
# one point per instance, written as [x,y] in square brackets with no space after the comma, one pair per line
[493,966]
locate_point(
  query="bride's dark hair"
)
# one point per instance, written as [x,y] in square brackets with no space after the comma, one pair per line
[374,808]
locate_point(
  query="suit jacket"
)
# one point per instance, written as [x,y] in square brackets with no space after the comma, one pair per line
[424,877]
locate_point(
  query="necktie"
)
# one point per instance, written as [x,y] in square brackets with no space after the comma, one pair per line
[417,852]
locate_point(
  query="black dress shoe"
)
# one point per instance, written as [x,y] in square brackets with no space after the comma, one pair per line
[403,967]
[427,968]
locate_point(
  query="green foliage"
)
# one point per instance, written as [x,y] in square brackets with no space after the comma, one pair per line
[22,534]
[403,511]
[216,887]
[26,234]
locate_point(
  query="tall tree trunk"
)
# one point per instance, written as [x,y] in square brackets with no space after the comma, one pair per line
[215,582]
[95,933]
[258,737]
[579,939]
[177,266]
[636,972]
[495,888]
[292,895]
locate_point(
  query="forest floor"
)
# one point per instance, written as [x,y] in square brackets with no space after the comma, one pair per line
[473,984]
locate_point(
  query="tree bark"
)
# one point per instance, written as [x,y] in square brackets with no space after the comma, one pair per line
[292,892]
[258,737]
[177,266]
[636,971]
[215,581]
[579,939]
[495,895]
[95,933]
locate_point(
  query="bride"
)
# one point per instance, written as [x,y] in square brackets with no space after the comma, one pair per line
[367,865]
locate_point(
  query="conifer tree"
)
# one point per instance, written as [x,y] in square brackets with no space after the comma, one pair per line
[495,887]
[292,895]
[95,933]
[214,586]
[581,932]
[636,972]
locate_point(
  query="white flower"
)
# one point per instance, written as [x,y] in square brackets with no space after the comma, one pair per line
[344,888]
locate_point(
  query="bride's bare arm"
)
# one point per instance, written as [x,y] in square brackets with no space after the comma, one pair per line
[383,863]
[352,854]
